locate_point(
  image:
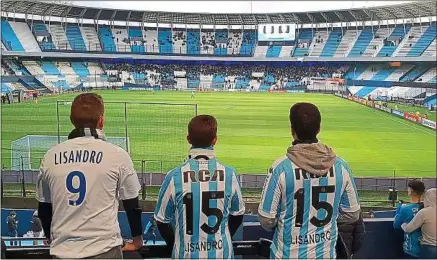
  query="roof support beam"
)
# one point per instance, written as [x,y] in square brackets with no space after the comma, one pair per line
[325,17]
[340,16]
[311,17]
[82,13]
[296,18]
[353,15]
[97,16]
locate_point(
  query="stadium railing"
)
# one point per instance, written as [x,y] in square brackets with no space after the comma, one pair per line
[246,249]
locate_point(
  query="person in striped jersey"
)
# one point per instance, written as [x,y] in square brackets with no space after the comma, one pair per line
[202,197]
[304,192]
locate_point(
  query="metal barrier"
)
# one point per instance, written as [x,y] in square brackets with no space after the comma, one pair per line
[246,249]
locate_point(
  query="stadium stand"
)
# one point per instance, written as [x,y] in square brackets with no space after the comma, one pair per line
[347,42]
[25,36]
[273,51]
[361,43]
[304,42]
[414,73]
[121,39]
[193,42]
[165,41]
[318,43]
[406,46]
[234,42]
[59,37]
[261,51]
[74,36]
[428,76]
[9,38]
[383,60]
[332,43]
[220,43]
[377,42]
[248,43]
[106,39]
[43,36]
[179,41]
[90,38]
[391,43]
[136,39]
[399,72]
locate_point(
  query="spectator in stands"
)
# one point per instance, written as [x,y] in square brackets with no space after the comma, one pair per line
[36,226]
[352,235]
[405,213]
[425,219]
[98,171]
[309,169]
[12,223]
[150,230]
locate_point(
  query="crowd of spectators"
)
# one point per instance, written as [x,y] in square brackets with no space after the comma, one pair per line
[283,74]
[209,40]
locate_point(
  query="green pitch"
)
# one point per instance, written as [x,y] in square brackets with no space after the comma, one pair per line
[253,130]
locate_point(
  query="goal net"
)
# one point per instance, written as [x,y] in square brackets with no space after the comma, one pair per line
[28,151]
[156,131]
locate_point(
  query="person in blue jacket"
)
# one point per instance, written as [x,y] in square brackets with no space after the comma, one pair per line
[150,228]
[405,213]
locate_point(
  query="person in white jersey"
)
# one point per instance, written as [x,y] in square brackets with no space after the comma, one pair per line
[304,191]
[79,185]
[202,197]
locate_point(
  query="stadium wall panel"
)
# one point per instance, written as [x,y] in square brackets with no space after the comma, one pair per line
[246,180]
[382,241]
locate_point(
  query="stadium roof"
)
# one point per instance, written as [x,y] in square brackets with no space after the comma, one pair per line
[390,12]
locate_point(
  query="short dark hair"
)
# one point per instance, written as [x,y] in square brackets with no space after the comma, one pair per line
[86,110]
[417,186]
[202,130]
[305,120]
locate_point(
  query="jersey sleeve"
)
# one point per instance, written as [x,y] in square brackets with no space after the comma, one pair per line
[165,206]
[129,185]
[237,203]
[415,223]
[349,201]
[399,217]
[42,186]
[271,195]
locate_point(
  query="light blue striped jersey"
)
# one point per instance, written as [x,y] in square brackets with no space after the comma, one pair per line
[306,207]
[198,197]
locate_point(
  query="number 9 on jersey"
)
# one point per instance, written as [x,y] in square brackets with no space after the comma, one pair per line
[80,189]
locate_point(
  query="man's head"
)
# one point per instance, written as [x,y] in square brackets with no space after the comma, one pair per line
[13,214]
[305,121]
[416,188]
[87,111]
[202,131]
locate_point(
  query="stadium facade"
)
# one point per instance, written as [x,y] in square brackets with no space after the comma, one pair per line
[58,47]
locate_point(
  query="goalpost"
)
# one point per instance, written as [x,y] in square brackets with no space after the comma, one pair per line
[154,134]
[28,151]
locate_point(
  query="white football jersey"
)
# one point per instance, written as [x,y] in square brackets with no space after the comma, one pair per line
[83,178]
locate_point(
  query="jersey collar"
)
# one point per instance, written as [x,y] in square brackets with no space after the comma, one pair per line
[206,153]
[87,132]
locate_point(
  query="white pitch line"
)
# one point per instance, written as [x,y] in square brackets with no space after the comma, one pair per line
[393,118]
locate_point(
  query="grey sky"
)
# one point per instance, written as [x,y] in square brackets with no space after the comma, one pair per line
[234,6]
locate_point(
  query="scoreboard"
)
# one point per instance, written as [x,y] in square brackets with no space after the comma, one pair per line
[276,32]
